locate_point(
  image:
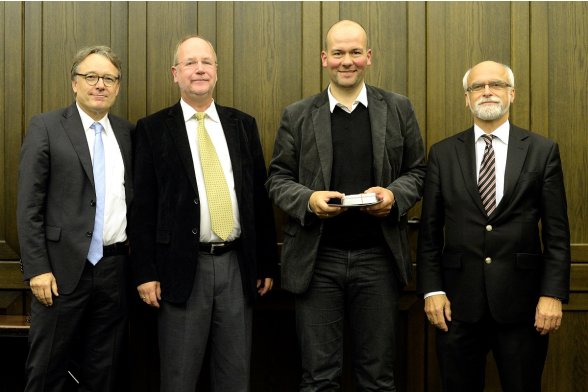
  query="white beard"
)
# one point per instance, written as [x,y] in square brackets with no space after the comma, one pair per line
[489,112]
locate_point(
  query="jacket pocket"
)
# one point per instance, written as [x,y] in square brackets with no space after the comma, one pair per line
[52,233]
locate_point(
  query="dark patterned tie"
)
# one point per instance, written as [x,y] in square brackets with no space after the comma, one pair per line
[487,180]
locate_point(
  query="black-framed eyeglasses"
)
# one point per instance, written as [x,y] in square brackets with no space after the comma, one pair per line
[92,79]
[494,86]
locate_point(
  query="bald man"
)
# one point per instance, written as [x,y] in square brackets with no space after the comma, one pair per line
[347,262]
[492,280]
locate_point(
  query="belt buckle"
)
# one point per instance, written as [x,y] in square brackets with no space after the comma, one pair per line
[213,246]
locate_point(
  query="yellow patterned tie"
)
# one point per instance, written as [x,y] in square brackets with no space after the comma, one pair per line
[217,190]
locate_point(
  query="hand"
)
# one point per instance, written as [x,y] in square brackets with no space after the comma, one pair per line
[383,208]
[548,315]
[318,204]
[150,293]
[43,286]
[438,310]
[268,284]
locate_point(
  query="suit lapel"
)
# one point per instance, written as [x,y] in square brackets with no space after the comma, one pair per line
[73,127]
[321,121]
[176,126]
[515,159]
[466,156]
[231,131]
[378,119]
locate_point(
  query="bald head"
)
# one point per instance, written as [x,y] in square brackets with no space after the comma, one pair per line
[347,27]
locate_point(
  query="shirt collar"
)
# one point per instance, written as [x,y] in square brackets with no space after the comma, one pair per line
[189,111]
[501,133]
[361,98]
[88,121]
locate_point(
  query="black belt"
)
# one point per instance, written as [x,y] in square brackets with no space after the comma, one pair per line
[218,248]
[118,249]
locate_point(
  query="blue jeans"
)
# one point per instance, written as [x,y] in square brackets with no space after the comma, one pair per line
[362,286]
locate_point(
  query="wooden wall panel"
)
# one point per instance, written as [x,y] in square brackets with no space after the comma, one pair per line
[568,100]
[269,57]
[267,70]
[11,98]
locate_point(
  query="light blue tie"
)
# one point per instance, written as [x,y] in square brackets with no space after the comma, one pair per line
[95,253]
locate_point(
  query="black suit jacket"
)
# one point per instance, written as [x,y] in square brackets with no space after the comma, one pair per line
[302,163]
[506,261]
[165,217]
[56,208]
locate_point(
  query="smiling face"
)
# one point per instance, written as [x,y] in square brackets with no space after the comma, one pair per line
[346,56]
[196,71]
[492,103]
[95,100]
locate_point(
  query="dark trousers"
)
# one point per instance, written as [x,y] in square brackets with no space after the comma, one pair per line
[81,335]
[518,349]
[362,286]
[216,313]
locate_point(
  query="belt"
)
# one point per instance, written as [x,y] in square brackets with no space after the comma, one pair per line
[218,248]
[118,249]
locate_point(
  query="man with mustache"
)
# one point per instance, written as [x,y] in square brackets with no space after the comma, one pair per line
[494,249]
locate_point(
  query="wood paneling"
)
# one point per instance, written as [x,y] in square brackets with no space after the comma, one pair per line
[568,100]
[269,57]
[267,70]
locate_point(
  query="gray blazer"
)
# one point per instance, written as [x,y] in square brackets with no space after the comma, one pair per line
[302,163]
[56,208]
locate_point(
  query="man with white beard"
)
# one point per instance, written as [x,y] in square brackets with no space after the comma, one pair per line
[493,259]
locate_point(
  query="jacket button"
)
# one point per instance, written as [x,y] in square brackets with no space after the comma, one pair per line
[488,260]
[194,231]
[89,234]
[196,201]
[92,203]
[489,228]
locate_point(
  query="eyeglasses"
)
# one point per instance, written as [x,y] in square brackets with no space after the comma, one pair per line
[494,86]
[92,79]
[193,64]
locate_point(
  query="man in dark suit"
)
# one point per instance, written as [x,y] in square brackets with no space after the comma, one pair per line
[74,190]
[347,262]
[203,244]
[494,250]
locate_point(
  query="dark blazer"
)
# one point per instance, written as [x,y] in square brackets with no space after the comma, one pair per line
[302,163]
[56,207]
[495,262]
[165,217]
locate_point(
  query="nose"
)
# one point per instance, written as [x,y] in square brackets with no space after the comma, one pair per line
[100,83]
[347,59]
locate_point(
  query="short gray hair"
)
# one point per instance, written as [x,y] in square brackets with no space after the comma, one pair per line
[509,73]
[96,49]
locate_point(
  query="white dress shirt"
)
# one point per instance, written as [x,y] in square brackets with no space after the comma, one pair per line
[115,207]
[361,98]
[215,131]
